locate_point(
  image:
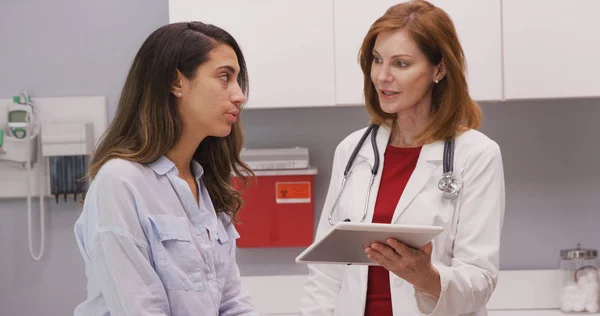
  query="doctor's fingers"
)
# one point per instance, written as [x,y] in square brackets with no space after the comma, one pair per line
[407,251]
[387,252]
[381,259]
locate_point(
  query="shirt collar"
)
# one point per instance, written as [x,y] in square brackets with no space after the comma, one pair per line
[197,169]
[163,165]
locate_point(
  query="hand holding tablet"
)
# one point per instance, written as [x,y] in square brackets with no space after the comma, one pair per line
[344,243]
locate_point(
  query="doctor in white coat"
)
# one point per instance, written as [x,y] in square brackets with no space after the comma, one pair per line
[416,90]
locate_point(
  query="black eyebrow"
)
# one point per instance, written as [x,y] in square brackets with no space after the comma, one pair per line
[227,67]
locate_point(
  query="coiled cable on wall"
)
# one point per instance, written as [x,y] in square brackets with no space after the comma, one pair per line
[33,130]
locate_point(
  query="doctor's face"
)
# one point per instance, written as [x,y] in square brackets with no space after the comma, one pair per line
[400,72]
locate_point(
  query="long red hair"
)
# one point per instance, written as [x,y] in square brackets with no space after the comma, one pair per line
[433,31]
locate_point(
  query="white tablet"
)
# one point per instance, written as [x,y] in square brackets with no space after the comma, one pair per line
[344,243]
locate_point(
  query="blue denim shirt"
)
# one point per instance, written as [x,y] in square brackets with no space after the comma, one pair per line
[150,249]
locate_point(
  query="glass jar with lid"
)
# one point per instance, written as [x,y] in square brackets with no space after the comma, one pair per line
[580,282]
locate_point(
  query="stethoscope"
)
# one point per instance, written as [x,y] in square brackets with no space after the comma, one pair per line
[448,184]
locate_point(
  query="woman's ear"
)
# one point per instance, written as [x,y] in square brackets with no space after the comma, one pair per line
[440,71]
[177,86]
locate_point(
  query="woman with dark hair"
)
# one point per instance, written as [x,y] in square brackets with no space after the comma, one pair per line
[156,232]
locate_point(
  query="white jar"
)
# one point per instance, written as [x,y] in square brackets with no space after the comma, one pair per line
[580,281]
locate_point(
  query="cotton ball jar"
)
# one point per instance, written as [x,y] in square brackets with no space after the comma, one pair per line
[580,280]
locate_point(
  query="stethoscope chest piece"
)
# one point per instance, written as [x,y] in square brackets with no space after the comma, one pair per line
[449,186]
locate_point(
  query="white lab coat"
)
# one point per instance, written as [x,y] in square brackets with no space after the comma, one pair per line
[466,253]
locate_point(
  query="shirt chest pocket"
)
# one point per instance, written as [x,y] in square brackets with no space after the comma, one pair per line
[227,234]
[177,259]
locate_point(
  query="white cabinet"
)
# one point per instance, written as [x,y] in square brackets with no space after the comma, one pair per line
[478,25]
[551,48]
[352,21]
[288,46]
[304,53]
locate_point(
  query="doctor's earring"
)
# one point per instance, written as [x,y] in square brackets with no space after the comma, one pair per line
[179,94]
[436,81]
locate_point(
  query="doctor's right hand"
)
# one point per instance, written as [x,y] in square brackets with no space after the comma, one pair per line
[412,265]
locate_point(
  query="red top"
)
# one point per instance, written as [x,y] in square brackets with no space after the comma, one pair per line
[399,164]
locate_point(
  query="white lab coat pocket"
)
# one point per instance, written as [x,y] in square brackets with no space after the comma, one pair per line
[351,299]
[178,261]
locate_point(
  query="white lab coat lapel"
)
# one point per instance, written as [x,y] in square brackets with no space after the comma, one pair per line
[430,158]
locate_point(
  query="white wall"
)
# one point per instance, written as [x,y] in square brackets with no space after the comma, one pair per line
[549,148]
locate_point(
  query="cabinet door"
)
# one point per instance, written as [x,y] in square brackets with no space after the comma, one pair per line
[551,48]
[288,45]
[478,25]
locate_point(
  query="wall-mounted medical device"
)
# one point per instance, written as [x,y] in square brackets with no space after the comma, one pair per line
[19,135]
[45,145]
[19,117]
[20,114]
[67,145]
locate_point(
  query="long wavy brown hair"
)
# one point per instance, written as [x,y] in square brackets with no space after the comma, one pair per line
[147,123]
[433,31]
